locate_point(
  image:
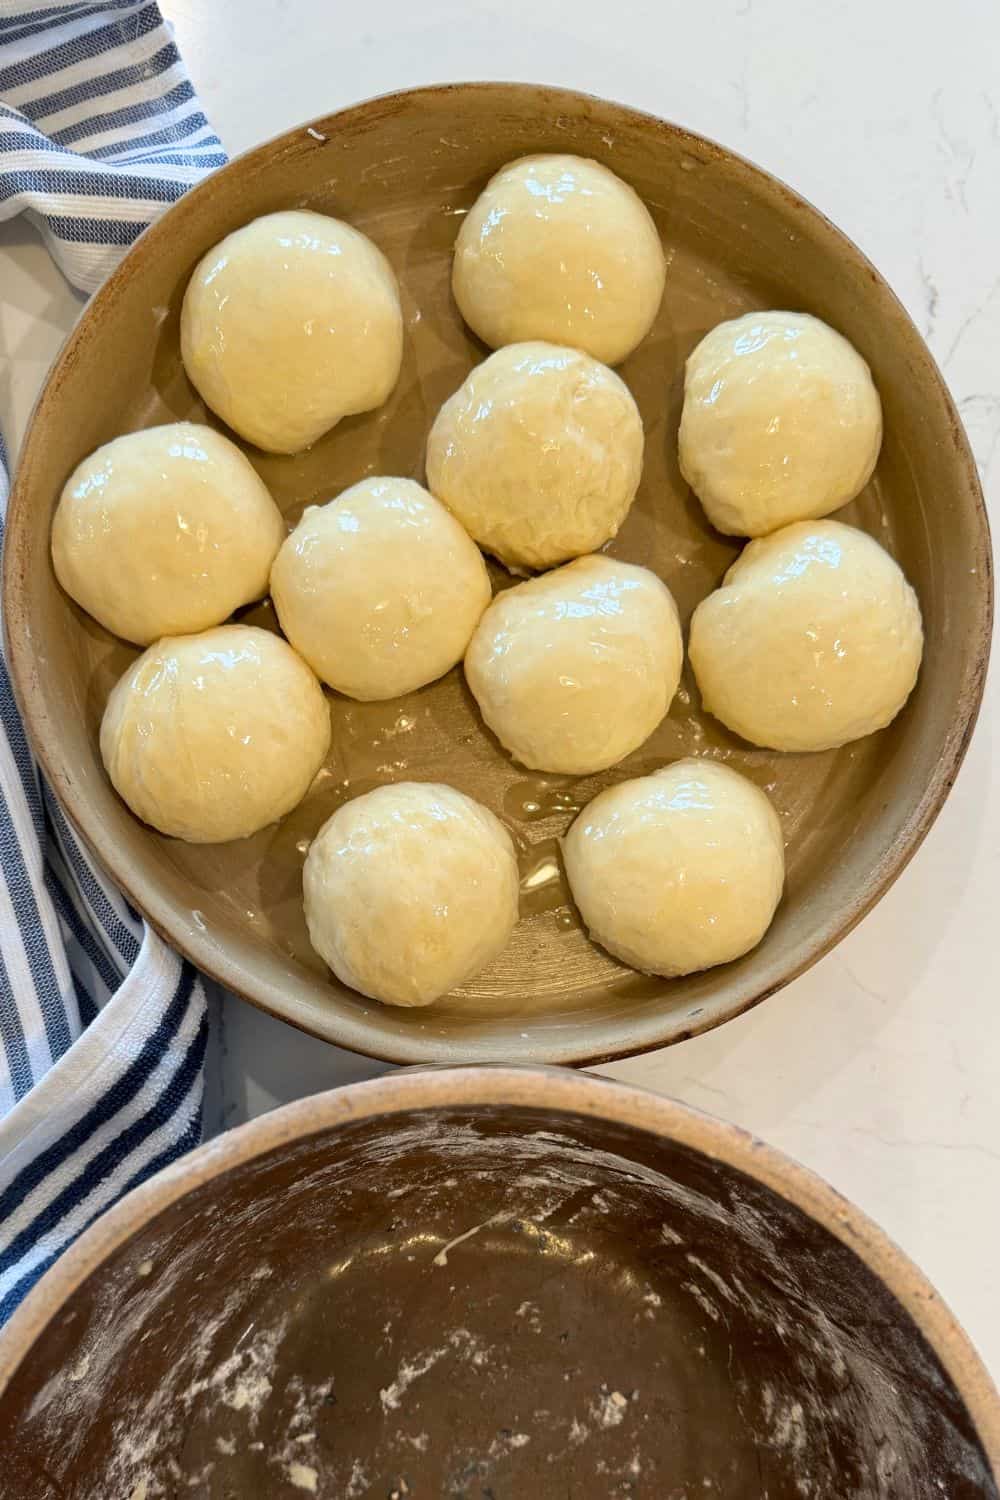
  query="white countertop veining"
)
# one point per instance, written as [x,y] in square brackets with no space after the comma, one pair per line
[879,1067]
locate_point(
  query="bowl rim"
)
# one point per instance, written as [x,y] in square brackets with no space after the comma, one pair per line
[363,1032]
[563,1092]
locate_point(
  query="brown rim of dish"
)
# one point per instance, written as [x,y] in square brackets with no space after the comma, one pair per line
[563,1092]
[206,957]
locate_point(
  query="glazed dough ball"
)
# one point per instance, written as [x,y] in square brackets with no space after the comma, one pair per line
[559,248]
[677,871]
[409,891]
[538,454]
[781,422]
[573,670]
[813,639]
[380,589]
[289,324]
[211,737]
[165,532]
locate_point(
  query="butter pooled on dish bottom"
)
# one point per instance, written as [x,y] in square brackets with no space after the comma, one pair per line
[293,322]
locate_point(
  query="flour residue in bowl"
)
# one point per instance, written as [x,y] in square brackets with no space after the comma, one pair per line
[467,1313]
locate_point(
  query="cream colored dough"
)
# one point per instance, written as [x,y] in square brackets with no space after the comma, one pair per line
[165,532]
[289,324]
[677,871]
[781,422]
[559,248]
[380,589]
[574,670]
[814,639]
[409,891]
[538,454]
[211,737]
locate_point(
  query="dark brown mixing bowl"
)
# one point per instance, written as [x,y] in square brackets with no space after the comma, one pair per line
[497,1284]
[404,169]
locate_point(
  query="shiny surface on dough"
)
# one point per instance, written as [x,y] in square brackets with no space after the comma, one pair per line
[852,816]
[558,247]
[574,670]
[165,532]
[538,454]
[380,589]
[290,324]
[781,422]
[813,640]
[677,871]
[211,737]
[409,891]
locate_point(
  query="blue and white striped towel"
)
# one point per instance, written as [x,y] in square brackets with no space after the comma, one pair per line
[102,1027]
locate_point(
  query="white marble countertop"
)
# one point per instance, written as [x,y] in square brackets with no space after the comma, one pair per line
[879,1068]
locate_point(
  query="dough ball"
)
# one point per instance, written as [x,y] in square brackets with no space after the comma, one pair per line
[165,532]
[781,422]
[211,737]
[813,639]
[289,324]
[380,589]
[538,454]
[573,670]
[558,247]
[409,891]
[677,871]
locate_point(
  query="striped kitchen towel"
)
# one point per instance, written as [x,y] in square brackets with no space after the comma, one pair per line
[102,1027]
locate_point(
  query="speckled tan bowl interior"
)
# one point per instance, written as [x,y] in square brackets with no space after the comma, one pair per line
[490,1284]
[404,169]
